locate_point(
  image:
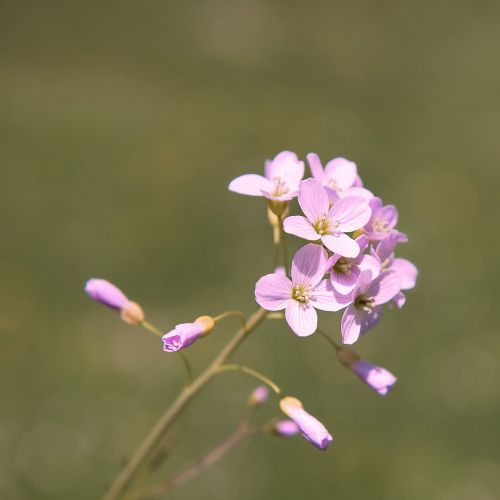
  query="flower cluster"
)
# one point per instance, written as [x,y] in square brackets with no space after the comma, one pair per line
[350,263]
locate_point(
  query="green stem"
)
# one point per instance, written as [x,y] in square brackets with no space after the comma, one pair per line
[227,314]
[153,329]
[149,444]
[252,373]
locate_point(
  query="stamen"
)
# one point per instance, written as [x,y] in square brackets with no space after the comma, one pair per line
[301,293]
[343,266]
[381,226]
[365,303]
[280,187]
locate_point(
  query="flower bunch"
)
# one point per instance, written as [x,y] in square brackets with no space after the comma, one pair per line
[347,264]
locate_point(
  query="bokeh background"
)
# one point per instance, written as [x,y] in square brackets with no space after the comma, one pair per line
[121,124]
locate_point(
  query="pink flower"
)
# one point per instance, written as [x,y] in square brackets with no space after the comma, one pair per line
[109,295]
[382,221]
[311,428]
[344,272]
[186,334]
[299,296]
[258,396]
[325,223]
[406,271]
[286,428]
[340,177]
[281,181]
[376,377]
[364,311]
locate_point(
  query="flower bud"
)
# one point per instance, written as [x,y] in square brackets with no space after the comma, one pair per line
[132,313]
[207,323]
[311,428]
[285,428]
[376,377]
[258,396]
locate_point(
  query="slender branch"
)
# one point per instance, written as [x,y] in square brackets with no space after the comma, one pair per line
[145,449]
[252,373]
[185,361]
[227,314]
[211,458]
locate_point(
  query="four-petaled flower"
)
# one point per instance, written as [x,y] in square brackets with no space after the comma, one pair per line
[328,224]
[300,296]
[280,183]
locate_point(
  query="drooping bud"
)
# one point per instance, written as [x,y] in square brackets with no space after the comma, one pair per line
[185,334]
[376,377]
[258,396]
[285,428]
[111,296]
[311,428]
[207,323]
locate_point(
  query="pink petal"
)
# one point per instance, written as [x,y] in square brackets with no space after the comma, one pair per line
[364,281]
[273,292]
[341,243]
[302,318]
[369,320]
[357,191]
[309,265]
[384,287]
[350,326]
[288,168]
[407,272]
[301,227]
[386,247]
[342,172]
[352,212]
[324,298]
[371,263]
[315,166]
[344,283]
[268,173]
[363,241]
[399,299]
[250,184]
[313,200]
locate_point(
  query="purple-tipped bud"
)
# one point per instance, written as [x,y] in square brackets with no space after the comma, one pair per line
[376,377]
[286,428]
[185,334]
[311,428]
[106,293]
[109,295]
[258,396]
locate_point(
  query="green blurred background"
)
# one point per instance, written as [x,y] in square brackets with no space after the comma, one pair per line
[121,124]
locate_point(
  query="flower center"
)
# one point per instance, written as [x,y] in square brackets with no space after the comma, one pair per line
[343,265]
[364,303]
[332,184]
[301,293]
[280,187]
[381,226]
[325,226]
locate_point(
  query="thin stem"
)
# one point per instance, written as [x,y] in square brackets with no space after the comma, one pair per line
[149,444]
[275,315]
[185,361]
[252,373]
[211,458]
[332,342]
[236,314]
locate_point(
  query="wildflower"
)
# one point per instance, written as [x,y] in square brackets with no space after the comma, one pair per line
[185,334]
[111,296]
[325,223]
[299,296]
[344,272]
[280,183]
[311,428]
[258,396]
[382,221]
[364,311]
[285,428]
[406,270]
[339,177]
[376,377]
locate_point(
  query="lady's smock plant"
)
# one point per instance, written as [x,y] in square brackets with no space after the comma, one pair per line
[348,264]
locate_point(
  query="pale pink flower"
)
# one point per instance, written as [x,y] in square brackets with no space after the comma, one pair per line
[280,183]
[310,427]
[364,311]
[299,296]
[382,221]
[339,177]
[344,272]
[328,224]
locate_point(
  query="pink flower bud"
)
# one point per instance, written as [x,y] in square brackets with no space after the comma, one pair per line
[185,334]
[258,396]
[311,428]
[286,428]
[376,377]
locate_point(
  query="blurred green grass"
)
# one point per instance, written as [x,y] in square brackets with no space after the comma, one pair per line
[121,126]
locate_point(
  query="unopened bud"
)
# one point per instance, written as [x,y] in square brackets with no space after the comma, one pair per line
[289,404]
[132,313]
[207,323]
[347,356]
[285,428]
[258,396]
